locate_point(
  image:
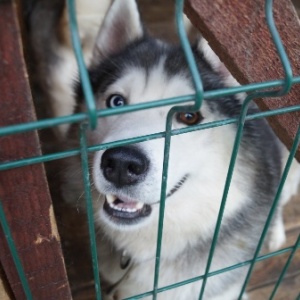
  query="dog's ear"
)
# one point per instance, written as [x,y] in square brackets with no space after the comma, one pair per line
[121,26]
[211,57]
[216,64]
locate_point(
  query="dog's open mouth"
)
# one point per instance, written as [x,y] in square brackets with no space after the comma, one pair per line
[124,211]
[128,211]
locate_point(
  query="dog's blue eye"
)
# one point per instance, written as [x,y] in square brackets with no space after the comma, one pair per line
[189,118]
[115,101]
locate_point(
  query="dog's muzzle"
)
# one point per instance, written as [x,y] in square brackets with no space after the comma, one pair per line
[122,167]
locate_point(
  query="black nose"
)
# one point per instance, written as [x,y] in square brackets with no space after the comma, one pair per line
[124,166]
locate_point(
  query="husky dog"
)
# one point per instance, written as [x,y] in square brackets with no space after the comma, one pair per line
[130,67]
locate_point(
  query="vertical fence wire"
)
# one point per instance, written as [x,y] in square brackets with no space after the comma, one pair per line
[272,210]
[282,91]
[198,86]
[86,84]
[89,207]
[280,49]
[229,175]
[198,101]
[162,202]
[14,253]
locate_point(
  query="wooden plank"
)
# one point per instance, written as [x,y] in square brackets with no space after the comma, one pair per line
[24,191]
[237,32]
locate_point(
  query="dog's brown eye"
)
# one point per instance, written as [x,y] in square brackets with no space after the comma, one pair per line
[115,101]
[189,118]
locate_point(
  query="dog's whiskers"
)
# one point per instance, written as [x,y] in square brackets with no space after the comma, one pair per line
[178,185]
[175,188]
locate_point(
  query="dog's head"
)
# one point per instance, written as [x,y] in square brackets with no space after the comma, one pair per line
[129,68]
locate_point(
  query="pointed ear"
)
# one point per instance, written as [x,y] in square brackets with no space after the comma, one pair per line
[121,26]
[211,57]
[214,61]
[216,64]
[192,32]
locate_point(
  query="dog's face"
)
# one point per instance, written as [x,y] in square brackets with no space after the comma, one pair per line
[129,177]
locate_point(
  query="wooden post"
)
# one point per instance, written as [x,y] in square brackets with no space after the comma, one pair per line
[24,191]
[237,32]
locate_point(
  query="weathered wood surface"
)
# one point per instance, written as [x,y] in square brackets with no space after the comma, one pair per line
[237,32]
[24,191]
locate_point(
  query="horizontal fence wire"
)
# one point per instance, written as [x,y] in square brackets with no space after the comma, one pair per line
[139,139]
[80,117]
[257,90]
[216,272]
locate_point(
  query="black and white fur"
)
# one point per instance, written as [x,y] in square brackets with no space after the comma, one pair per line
[129,67]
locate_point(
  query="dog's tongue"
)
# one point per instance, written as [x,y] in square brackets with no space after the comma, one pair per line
[130,204]
[116,202]
[124,210]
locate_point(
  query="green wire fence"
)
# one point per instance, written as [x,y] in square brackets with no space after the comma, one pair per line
[88,121]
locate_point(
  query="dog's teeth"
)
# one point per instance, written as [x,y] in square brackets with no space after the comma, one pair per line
[129,210]
[115,207]
[110,198]
[139,205]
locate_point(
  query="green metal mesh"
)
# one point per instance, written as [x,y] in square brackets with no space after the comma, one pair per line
[88,121]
